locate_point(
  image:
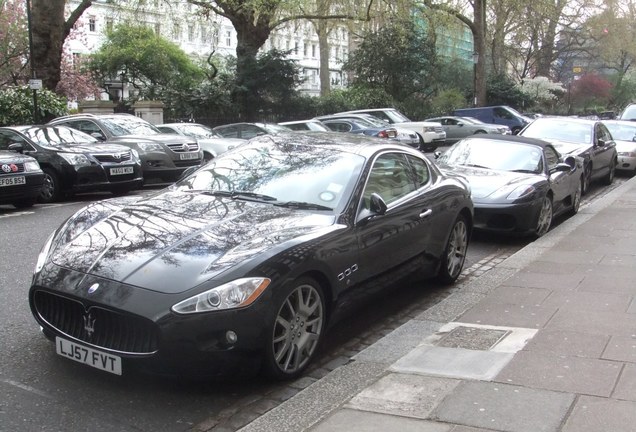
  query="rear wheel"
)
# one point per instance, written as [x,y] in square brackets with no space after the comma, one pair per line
[545,217]
[455,253]
[576,198]
[587,177]
[609,177]
[296,330]
[51,189]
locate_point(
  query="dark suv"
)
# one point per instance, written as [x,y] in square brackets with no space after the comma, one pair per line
[73,161]
[163,156]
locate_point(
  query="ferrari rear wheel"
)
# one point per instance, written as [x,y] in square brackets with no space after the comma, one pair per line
[587,177]
[455,252]
[545,217]
[296,331]
[576,198]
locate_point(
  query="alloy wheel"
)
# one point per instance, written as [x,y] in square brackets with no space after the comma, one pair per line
[545,217]
[458,243]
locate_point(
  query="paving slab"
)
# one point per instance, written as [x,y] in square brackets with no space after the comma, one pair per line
[562,373]
[507,314]
[546,280]
[452,362]
[346,420]
[553,268]
[621,349]
[568,343]
[451,307]
[594,322]
[626,387]
[469,429]
[593,414]
[588,300]
[403,395]
[504,407]
[572,257]
[518,295]
[610,280]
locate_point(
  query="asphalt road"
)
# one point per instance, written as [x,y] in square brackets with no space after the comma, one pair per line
[42,391]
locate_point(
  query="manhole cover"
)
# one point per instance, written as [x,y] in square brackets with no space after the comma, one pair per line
[472,338]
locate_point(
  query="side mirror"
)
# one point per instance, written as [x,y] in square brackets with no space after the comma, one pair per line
[460,124]
[16,147]
[562,167]
[600,143]
[437,154]
[377,204]
[98,136]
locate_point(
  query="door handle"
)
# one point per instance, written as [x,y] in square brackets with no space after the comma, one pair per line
[426,213]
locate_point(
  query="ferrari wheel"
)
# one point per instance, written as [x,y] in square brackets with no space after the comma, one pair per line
[455,252]
[545,217]
[297,330]
[576,198]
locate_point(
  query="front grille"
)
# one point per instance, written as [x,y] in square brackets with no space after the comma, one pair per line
[111,330]
[7,168]
[179,147]
[113,157]
[439,129]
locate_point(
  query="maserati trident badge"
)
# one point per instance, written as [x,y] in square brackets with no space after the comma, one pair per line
[89,324]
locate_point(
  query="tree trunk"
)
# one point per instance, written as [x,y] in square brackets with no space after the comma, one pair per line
[324,48]
[480,49]
[49,29]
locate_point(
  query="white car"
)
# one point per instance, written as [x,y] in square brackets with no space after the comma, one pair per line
[210,142]
[624,134]
[431,134]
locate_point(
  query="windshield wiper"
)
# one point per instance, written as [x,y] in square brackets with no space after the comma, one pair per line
[234,194]
[302,205]
[476,166]
[526,171]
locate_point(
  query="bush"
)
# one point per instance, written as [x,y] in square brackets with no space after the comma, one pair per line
[16,106]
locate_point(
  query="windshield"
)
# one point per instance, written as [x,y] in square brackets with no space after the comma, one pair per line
[494,154]
[622,132]
[376,122]
[129,125]
[471,120]
[197,131]
[281,173]
[396,116]
[275,128]
[52,136]
[560,129]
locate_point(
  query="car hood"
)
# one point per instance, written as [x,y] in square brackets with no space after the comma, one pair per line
[567,147]
[158,138]
[419,124]
[484,183]
[13,157]
[91,148]
[174,241]
[625,146]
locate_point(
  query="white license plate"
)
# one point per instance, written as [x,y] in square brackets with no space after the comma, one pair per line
[82,354]
[188,156]
[12,181]
[121,170]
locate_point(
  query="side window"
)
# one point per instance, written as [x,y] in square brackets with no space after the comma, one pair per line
[339,126]
[167,130]
[551,157]
[502,113]
[229,132]
[421,172]
[603,134]
[8,137]
[390,177]
[250,131]
[87,127]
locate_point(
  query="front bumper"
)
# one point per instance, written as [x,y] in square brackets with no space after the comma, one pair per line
[626,163]
[168,166]
[23,192]
[100,178]
[518,218]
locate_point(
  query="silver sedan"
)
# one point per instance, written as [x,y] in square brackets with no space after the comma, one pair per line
[461,127]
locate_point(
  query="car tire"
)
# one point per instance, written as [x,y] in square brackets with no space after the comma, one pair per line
[587,178]
[51,188]
[576,198]
[546,214]
[609,177]
[296,330]
[452,261]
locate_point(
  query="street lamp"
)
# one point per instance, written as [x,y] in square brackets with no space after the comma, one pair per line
[475,61]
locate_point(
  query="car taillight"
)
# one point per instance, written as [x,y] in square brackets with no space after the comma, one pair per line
[387,133]
[383,134]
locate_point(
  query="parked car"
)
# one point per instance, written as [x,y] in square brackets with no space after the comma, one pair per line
[629,113]
[499,114]
[21,177]
[305,125]
[589,139]
[358,126]
[431,134]
[403,135]
[164,157]
[249,130]
[624,134]
[73,161]
[518,184]
[457,128]
[244,263]
[211,142]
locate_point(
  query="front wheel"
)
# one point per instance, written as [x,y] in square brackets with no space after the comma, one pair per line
[609,177]
[545,217]
[576,198]
[587,178]
[455,252]
[296,330]
[51,189]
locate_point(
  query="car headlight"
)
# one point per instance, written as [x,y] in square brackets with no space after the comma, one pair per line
[231,295]
[75,159]
[429,129]
[627,154]
[135,155]
[44,253]
[148,147]
[31,166]
[522,191]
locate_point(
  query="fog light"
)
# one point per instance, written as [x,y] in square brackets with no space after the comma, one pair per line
[231,337]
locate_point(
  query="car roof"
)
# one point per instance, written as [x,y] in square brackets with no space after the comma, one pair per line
[511,138]
[569,120]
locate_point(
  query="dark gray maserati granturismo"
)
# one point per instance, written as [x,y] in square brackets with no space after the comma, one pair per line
[241,264]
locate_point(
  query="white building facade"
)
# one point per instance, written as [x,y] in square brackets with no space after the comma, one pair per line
[198,36]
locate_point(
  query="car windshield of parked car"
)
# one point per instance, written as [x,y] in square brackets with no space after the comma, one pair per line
[275,128]
[197,131]
[622,132]
[396,116]
[555,129]
[376,122]
[280,173]
[129,125]
[494,154]
[629,113]
[52,136]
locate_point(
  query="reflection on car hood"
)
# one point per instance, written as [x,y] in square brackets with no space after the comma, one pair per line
[158,138]
[13,157]
[484,182]
[174,241]
[91,148]
[566,147]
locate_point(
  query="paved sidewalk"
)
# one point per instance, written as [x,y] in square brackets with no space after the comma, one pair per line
[546,341]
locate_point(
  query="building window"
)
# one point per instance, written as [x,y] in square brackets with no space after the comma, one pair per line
[228,38]
[92,27]
[313,50]
[305,49]
[176,31]
[157,29]
[204,34]
[296,48]
[191,33]
[109,24]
